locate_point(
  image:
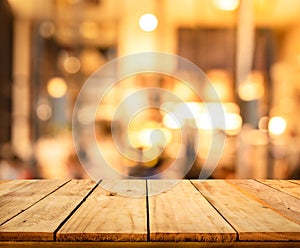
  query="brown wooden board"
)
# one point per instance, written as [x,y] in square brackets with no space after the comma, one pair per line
[295,181]
[41,220]
[253,221]
[183,214]
[284,186]
[90,244]
[110,216]
[14,185]
[23,194]
[280,202]
[4,181]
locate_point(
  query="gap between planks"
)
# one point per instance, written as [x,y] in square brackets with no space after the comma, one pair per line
[237,233]
[74,210]
[284,186]
[183,214]
[253,220]
[40,221]
[34,202]
[147,211]
[147,206]
[109,215]
[280,202]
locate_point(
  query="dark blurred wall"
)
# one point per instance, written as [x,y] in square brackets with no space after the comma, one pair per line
[6,33]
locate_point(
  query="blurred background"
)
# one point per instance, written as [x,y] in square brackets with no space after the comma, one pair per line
[250,51]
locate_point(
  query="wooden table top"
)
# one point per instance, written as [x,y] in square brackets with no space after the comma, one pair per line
[236,212]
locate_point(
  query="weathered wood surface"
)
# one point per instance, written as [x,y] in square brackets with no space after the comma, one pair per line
[282,203]
[4,181]
[40,221]
[252,220]
[284,186]
[17,196]
[219,211]
[110,216]
[183,214]
[295,181]
[155,244]
[11,186]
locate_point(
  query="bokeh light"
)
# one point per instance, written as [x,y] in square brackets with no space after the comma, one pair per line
[57,87]
[228,5]
[277,125]
[72,64]
[148,22]
[44,111]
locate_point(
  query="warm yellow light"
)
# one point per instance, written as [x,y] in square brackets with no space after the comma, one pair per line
[204,122]
[253,87]
[150,137]
[228,5]
[57,87]
[152,141]
[134,139]
[263,123]
[233,123]
[47,29]
[72,64]
[187,110]
[44,112]
[86,115]
[167,107]
[222,90]
[222,82]
[183,91]
[250,91]
[231,107]
[170,121]
[201,113]
[148,22]
[88,29]
[155,137]
[277,125]
[91,59]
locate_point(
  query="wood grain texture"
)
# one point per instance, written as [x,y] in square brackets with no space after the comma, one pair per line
[90,244]
[183,214]
[295,181]
[280,202]
[23,194]
[284,186]
[110,216]
[41,220]
[259,211]
[10,186]
[253,220]
[4,181]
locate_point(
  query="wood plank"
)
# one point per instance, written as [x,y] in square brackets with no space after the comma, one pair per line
[253,220]
[280,202]
[183,214]
[295,181]
[110,216]
[95,244]
[4,181]
[13,185]
[284,186]
[41,220]
[24,195]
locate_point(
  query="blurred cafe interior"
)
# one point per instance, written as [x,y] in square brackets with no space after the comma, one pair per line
[248,49]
